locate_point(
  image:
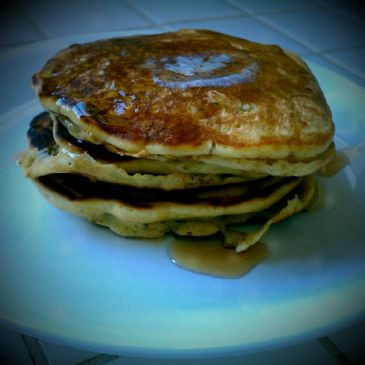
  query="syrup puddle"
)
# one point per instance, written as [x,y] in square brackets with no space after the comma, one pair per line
[209,256]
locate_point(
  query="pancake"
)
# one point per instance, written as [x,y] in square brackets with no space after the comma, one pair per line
[52,150]
[192,132]
[188,93]
[141,216]
[202,164]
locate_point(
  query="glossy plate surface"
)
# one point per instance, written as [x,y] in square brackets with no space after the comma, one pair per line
[68,281]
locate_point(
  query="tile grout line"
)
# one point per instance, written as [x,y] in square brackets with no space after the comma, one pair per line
[334,49]
[100,359]
[23,14]
[285,33]
[336,8]
[205,19]
[284,11]
[35,350]
[163,23]
[299,40]
[142,13]
[272,26]
[9,50]
[343,66]
[334,351]
[326,56]
[237,7]
[348,16]
[258,16]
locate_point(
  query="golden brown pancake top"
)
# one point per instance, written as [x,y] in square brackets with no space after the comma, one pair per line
[191,91]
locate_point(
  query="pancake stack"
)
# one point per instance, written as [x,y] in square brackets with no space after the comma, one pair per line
[192,132]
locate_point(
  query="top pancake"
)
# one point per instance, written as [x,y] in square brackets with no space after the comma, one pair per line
[188,93]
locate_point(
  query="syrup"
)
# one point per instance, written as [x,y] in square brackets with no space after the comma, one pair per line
[209,256]
[338,163]
[318,200]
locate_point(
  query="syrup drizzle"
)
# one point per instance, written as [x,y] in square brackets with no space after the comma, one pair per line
[343,158]
[340,161]
[334,166]
[318,199]
[209,256]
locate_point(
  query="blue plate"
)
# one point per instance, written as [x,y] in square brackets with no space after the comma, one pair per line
[68,281]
